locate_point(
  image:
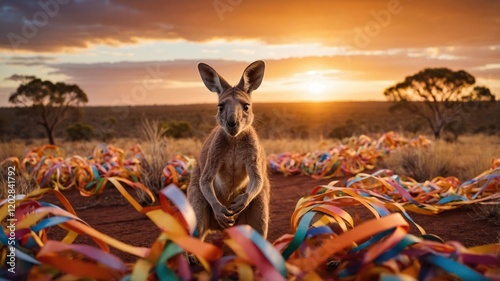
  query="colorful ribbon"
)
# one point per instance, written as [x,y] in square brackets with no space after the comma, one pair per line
[325,243]
[353,156]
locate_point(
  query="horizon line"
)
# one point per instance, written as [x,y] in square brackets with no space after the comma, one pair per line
[215,102]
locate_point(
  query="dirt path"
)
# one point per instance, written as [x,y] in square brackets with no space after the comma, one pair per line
[111,214]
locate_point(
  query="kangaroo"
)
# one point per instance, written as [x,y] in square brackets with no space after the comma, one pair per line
[229,185]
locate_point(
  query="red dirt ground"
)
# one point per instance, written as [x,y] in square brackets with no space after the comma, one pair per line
[111,214]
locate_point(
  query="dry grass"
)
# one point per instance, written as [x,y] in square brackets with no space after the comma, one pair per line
[190,146]
[15,147]
[18,148]
[488,212]
[297,145]
[464,159]
[468,157]
[22,184]
[155,157]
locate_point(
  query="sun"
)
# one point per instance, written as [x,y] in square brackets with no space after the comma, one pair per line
[316,90]
[316,87]
[315,84]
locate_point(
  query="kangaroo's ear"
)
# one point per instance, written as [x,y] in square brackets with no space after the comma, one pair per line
[211,79]
[252,77]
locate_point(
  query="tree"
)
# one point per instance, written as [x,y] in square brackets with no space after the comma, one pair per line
[51,102]
[438,95]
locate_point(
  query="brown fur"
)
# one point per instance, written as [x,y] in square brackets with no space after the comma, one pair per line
[230,183]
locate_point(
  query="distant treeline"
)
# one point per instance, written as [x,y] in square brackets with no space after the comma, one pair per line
[273,120]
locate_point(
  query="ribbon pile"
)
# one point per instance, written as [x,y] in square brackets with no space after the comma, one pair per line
[350,158]
[382,248]
[178,171]
[430,197]
[326,243]
[45,167]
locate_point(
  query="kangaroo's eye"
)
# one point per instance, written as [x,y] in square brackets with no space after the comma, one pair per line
[246,107]
[220,107]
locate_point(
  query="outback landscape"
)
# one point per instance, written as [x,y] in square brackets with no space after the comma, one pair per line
[272,120]
[128,128]
[109,212]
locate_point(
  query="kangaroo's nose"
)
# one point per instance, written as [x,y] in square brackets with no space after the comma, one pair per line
[231,123]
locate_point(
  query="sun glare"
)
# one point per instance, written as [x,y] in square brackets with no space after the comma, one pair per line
[316,87]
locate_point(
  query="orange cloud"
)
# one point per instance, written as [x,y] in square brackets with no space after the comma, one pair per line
[340,77]
[366,25]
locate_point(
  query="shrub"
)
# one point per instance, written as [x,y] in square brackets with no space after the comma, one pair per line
[177,129]
[106,129]
[80,132]
[155,157]
[489,212]
[454,129]
[420,164]
[348,130]
[415,126]
[465,159]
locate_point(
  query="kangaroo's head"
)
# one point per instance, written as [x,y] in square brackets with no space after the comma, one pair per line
[235,104]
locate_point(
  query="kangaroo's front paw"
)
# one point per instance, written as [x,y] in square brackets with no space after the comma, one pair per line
[223,216]
[239,203]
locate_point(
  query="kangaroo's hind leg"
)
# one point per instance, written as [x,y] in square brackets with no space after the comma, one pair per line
[204,216]
[256,214]
[203,213]
[202,209]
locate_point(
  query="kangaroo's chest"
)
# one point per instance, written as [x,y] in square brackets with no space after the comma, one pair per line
[232,177]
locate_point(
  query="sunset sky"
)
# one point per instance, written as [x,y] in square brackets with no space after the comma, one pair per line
[130,52]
